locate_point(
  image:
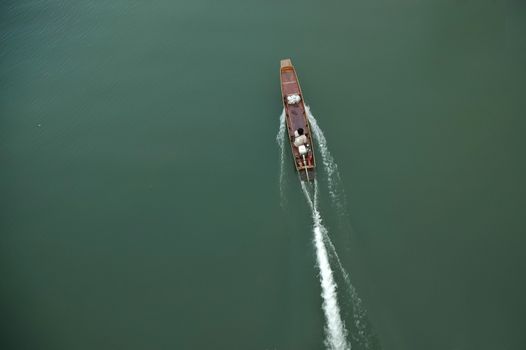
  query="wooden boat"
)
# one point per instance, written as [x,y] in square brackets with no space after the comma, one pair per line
[296,118]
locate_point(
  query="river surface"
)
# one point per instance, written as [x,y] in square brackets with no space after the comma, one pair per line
[140,197]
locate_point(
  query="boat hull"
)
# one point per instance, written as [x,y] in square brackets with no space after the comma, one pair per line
[295,118]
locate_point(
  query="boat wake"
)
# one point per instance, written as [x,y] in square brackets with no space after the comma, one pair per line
[336,334]
[280,139]
[361,331]
[331,168]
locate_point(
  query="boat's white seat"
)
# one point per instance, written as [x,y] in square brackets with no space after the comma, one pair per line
[303,149]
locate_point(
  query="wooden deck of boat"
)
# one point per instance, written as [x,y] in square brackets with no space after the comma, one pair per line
[290,85]
[296,115]
[289,82]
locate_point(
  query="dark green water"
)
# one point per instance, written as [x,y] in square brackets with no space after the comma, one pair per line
[140,206]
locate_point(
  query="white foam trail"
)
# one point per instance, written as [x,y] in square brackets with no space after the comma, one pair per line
[362,335]
[336,334]
[337,194]
[280,139]
[329,164]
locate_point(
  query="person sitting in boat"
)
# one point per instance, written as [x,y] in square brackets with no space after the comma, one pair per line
[300,139]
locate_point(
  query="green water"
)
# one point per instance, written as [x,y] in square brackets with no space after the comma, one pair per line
[140,204]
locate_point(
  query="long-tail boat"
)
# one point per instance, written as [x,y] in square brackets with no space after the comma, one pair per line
[297,122]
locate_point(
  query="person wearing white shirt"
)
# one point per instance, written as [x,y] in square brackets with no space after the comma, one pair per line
[300,138]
